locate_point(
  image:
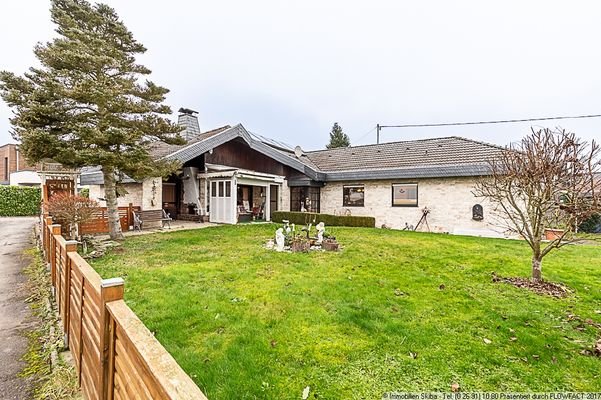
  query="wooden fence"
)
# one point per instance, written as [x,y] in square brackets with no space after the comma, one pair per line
[116,356]
[100,222]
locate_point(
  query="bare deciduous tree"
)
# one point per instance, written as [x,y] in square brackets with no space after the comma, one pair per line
[551,179]
[72,211]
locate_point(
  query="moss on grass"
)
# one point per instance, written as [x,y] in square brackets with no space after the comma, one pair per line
[52,382]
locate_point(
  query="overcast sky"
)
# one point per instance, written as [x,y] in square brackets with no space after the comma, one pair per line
[289,70]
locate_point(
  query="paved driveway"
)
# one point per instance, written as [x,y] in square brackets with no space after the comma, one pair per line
[15,317]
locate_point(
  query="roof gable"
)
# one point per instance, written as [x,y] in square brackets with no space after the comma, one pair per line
[193,150]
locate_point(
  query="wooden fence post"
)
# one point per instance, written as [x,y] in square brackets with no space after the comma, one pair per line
[110,290]
[48,239]
[55,229]
[70,246]
[44,233]
[130,215]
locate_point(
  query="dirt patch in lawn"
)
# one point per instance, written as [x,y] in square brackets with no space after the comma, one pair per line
[552,289]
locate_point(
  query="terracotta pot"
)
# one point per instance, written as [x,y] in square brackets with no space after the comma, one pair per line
[329,245]
[300,246]
[552,234]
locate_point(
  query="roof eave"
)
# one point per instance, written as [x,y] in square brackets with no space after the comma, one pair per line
[435,171]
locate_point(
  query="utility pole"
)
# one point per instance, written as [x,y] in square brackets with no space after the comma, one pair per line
[378,127]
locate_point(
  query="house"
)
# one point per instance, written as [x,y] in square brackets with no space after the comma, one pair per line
[14,169]
[230,175]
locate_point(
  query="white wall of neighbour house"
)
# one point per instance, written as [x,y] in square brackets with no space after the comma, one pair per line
[449,199]
[25,178]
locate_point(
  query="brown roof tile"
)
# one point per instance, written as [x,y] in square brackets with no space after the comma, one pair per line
[414,153]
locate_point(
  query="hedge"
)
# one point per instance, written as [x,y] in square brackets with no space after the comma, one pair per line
[301,218]
[19,201]
[591,225]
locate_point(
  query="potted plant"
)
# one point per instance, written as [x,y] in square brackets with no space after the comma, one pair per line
[300,244]
[330,243]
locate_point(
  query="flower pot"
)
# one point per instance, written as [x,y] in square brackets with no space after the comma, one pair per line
[330,245]
[553,234]
[300,246]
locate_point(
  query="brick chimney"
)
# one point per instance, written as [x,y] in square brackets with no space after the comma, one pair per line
[188,119]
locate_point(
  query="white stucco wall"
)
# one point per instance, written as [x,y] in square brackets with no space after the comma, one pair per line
[450,201]
[24,178]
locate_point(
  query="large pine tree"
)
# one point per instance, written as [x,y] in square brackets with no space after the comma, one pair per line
[338,138]
[86,105]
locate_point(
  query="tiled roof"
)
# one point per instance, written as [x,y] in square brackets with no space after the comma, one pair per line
[446,151]
[162,149]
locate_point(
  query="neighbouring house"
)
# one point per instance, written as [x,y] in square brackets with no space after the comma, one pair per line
[230,175]
[14,169]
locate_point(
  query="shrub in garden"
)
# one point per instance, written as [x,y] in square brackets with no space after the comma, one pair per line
[303,218]
[72,211]
[19,201]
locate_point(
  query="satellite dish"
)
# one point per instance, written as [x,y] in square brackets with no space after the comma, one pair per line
[298,152]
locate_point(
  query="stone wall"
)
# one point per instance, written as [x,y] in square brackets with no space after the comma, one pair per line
[138,194]
[134,195]
[449,199]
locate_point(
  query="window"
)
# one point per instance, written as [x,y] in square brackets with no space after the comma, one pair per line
[304,198]
[404,195]
[228,189]
[5,168]
[220,188]
[353,196]
[214,189]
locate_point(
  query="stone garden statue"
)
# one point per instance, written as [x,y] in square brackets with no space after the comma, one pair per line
[320,230]
[279,239]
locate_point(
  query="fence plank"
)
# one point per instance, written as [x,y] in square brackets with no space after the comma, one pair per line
[163,371]
[55,231]
[116,356]
[110,290]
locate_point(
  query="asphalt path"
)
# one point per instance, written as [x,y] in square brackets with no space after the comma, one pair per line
[15,315]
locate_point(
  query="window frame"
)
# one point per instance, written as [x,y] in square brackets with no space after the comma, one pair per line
[228,189]
[404,184]
[358,185]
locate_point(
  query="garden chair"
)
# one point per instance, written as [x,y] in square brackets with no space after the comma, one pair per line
[166,219]
[137,221]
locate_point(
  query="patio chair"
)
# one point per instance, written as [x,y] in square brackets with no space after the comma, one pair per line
[166,219]
[137,221]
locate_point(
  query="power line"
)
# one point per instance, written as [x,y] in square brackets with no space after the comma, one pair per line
[365,135]
[503,121]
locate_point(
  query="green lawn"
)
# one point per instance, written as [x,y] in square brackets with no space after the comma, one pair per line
[246,322]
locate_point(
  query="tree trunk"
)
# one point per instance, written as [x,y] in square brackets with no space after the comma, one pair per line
[110,194]
[537,266]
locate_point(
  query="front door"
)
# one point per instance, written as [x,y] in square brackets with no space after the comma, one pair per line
[222,204]
[273,200]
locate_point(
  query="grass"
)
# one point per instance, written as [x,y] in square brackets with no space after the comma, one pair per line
[246,322]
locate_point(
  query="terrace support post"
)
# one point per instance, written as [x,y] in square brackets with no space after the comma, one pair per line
[55,229]
[110,290]
[70,247]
